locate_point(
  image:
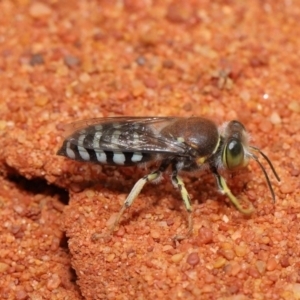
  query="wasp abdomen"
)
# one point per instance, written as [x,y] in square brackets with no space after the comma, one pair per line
[98,144]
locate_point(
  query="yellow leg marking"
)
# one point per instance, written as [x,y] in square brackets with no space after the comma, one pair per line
[177,181]
[184,194]
[225,189]
[133,195]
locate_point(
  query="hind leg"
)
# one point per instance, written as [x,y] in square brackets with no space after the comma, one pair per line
[137,189]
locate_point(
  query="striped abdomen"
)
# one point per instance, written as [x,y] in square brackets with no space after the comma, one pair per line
[112,144]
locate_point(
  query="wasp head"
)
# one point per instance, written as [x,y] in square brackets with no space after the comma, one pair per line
[236,150]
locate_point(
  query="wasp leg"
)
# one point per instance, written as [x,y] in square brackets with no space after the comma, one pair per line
[177,182]
[133,195]
[137,189]
[225,190]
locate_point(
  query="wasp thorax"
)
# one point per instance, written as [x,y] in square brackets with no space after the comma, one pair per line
[198,133]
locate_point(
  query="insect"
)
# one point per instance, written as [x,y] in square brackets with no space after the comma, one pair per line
[178,144]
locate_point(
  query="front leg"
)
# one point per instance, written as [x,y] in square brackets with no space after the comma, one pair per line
[224,189]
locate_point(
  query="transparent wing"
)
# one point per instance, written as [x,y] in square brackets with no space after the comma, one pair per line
[126,134]
[71,128]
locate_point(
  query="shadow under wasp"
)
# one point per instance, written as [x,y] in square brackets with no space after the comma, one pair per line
[181,144]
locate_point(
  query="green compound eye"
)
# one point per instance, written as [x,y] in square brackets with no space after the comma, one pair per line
[233,155]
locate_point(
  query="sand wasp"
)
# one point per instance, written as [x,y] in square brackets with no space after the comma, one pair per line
[178,144]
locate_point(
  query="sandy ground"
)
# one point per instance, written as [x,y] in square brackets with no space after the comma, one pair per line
[62,61]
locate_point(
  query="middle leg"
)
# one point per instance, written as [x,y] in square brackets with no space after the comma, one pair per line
[178,183]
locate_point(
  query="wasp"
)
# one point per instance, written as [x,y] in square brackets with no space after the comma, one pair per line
[179,144]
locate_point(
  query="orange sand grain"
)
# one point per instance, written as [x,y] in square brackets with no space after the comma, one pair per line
[62,61]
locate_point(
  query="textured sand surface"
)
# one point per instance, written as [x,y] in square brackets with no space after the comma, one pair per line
[62,61]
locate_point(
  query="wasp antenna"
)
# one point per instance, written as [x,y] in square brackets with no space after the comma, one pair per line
[267,159]
[266,176]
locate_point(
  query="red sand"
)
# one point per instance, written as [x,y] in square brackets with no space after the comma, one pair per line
[62,61]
